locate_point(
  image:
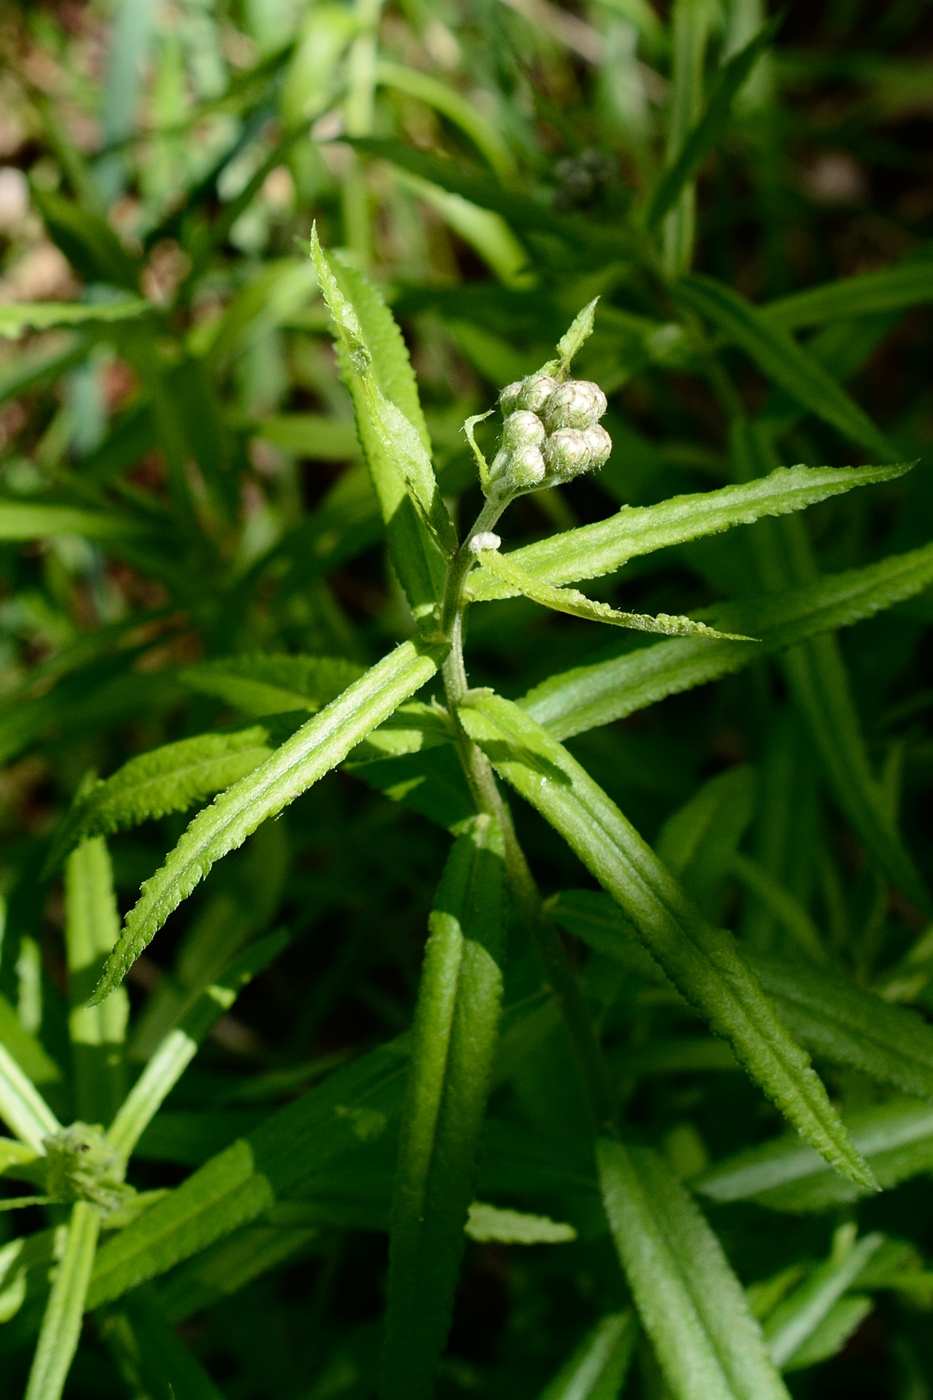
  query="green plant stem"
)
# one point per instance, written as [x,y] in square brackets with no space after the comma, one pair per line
[488,799]
[61,1325]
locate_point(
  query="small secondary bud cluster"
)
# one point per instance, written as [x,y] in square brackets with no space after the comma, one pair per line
[551,432]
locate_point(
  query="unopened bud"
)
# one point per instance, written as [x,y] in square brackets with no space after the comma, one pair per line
[567,453]
[508,399]
[600,444]
[535,391]
[577,404]
[522,429]
[485,540]
[527,468]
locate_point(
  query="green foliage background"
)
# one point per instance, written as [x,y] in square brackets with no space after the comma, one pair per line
[223,554]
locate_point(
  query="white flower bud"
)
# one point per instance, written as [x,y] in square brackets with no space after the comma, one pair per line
[526,468]
[522,429]
[508,399]
[567,453]
[600,444]
[577,404]
[485,540]
[535,391]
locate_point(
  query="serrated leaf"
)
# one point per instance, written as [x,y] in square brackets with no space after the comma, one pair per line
[598,1367]
[711,126]
[850,1026]
[394,443]
[708,1343]
[782,360]
[168,779]
[610,689]
[896,1139]
[267,684]
[40,315]
[703,962]
[453,1042]
[491,1224]
[576,604]
[594,550]
[316,748]
[242,1183]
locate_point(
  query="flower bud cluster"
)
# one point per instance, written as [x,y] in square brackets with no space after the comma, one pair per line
[551,432]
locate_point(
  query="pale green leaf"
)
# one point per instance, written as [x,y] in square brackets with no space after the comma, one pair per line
[703,962]
[708,1343]
[24,520]
[485,134]
[795,1320]
[593,550]
[22,1107]
[41,315]
[598,1367]
[28,1051]
[64,1313]
[486,1223]
[831,1334]
[317,747]
[576,604]
[266,684]
[311,435]
[453,1043]
[783,361]
[606,690]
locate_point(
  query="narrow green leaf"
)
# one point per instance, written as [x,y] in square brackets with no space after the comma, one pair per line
[896,1139]
[703,962]
[792,1324]
[698,842]
[179,1047]
[168,779]
[576,604]
[152,1355]
[690,28]
[850,1026]
[317,747]
[244,1181]
[419,529]
[312,435]
[484,134]
[711,126]
[487,1224]
[598,1367]
[783,361]
[787,910]
[453,1042]
[22,1107]
[906,284]
[708,1343]
[593,550]
[610,689]
[259,684]
[61,1325]
[23,520]
[88,241]
[92,925]
[40,315]
[27,1050]
[831,1334]
[229,1265]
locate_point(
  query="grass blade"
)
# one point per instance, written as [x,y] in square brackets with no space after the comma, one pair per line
[97,1033]
[317,747]
[694,1309]
[593,550]
[61,1325]
[454,1038]
[608,689]
[783,361]
[703,962]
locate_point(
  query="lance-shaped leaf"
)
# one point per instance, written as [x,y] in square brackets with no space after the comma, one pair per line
[61,1325]
[598,1367]
[576,604]
[97,1033]
[618,685]
[168,779]
[706,1339]
[703,962]
[22,1107]
[419,528]
[795,1320]
[593,550]
[896,1139]
[317,747]
[267,685]
[486,1223]
[906,284]
[152,1354]
[25,520]
[453,1042]
[40,315]
[711,126]
[850,1026]
[782,360]
[351,1107]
